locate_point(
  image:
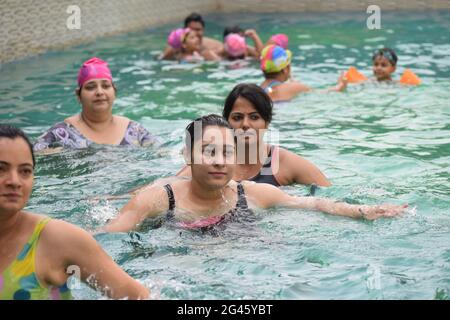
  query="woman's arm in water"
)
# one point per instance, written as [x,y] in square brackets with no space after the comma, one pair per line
[288,90]
[295,169]
[149,202]
[64,249]
[293,88]
[267,196]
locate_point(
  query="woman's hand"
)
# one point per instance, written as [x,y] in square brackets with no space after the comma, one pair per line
[383,210]
[251,33]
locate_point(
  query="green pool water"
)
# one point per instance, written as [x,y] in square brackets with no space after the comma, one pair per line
[376,143]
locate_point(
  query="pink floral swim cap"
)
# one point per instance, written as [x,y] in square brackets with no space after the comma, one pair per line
[235,45]
[93,68]
[176,37]
[280,40]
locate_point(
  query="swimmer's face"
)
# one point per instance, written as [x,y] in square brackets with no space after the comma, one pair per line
[382,68]
[214,157]
[192,42]
[97,95]
[197,27]
[248,124]
[16,175]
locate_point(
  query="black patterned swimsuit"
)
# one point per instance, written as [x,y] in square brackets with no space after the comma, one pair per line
[241,209]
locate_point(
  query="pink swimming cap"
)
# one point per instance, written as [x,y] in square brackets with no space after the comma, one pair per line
[175,39]
[280,40]
[235,45]
[94,68]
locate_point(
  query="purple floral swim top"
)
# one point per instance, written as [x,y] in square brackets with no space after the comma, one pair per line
[65,135]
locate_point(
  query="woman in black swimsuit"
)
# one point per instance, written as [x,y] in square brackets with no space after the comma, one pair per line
[211,195]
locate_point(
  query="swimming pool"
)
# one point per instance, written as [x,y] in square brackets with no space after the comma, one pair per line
[375,143]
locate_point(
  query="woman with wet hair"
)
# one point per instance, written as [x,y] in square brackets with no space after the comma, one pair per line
[37,253]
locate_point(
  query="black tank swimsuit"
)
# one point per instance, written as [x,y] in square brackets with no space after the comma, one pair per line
[208,223]
[265,175]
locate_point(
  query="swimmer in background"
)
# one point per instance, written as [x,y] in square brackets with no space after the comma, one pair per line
[384,65]
[96,123]
[280,40]
[186,44]
[196,23]
[235,46]
[278,83]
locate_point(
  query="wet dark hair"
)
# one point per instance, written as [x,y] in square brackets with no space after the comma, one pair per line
[255,95]
[206,121]
[194,17]
[388,54]
[232,29]
[10,132]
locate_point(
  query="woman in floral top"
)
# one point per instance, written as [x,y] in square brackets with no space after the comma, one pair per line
[96,123]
